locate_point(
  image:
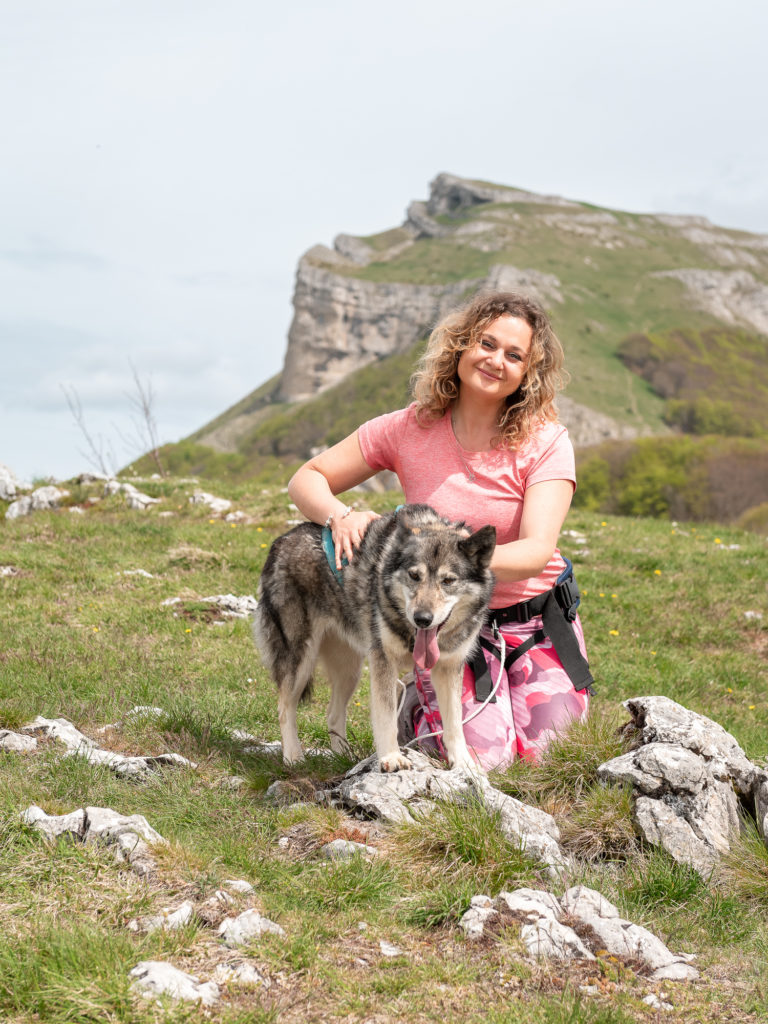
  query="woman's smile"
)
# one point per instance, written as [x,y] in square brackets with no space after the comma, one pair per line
[495,366]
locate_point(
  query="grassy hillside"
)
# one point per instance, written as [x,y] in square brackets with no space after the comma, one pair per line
[664,612]
[715,381]
[639,347]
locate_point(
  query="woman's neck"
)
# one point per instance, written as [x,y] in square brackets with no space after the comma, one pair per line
[475,425]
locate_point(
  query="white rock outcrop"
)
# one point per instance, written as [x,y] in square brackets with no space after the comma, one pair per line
[577,927]
[688,775]
[154,978]
[130,836]
[391,796]
[250,925]
[79,745]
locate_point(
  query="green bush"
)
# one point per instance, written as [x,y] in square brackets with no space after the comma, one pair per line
[688,478]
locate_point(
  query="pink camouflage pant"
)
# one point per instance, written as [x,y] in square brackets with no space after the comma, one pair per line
[535,701]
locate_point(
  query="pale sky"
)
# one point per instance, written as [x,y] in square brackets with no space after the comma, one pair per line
[166,163]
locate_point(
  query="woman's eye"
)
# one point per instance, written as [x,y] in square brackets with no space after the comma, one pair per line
[486,344]
[513,357]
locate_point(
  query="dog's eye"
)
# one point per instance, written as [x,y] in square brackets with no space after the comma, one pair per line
[448,581]
[414,574]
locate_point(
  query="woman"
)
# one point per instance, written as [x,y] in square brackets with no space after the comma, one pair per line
[481,443]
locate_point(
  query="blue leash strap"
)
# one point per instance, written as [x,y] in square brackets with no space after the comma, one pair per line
[330,554]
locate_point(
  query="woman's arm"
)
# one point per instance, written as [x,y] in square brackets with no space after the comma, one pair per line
[314,487]
[545,507]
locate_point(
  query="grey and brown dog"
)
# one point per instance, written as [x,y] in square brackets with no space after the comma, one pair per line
[416,591]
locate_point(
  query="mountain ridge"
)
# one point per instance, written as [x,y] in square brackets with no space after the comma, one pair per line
[603,275]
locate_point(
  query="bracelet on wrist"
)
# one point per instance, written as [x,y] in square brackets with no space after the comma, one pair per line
[332,516]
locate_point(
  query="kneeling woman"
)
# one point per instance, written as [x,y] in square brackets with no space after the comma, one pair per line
[481,443]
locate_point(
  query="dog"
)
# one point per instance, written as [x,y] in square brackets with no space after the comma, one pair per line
[416,590]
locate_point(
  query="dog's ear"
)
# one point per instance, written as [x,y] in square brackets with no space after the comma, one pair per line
[479,547]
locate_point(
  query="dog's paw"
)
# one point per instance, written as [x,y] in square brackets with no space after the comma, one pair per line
[394,762]
[466,763]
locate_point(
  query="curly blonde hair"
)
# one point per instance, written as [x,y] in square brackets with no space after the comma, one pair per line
[435,384]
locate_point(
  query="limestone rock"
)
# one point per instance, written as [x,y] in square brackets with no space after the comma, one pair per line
[250,925]
[156,978]
[686,773]
[54,825]
[47,497]
[239,974]
[659,719]
[217,505]
[16,742]
[20,507]
[732,296]
[79,745]
[41,499]
[106,825]
[8,483]
[129,836]
[167,920]
[345,849]
[548,937]
[545,932]
[581,902]
[532,903]
[238,885]
[661,825]
[233,607]
[392,796]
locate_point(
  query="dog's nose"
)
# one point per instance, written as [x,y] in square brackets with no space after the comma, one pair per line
[423,619]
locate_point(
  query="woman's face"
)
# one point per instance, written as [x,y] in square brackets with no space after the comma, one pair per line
[495,367]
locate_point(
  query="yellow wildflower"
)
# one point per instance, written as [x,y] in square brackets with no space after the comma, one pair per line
[657,572]
[614,632]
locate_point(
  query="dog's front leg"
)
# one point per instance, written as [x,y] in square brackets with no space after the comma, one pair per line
[446,679]
[384,712]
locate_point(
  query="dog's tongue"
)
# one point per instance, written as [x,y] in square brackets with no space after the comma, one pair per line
[425,649]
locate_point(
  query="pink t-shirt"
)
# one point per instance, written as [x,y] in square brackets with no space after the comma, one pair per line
[428,463]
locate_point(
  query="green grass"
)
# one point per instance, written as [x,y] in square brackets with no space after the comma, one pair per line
[663,612]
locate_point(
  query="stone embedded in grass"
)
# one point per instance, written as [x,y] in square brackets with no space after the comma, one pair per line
[78,745]
[687,774]
[391,796]
[548,937]
[389,949]
[128,835]
[40,500]
[16,742]
[345,849]
[155,978]
[250,925]
[239,974]
[216,505]
[8,483]
[231,606]
[546,929]
[167,920]
[238,885]
[54,825]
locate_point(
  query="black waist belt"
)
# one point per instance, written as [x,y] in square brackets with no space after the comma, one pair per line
[557,608]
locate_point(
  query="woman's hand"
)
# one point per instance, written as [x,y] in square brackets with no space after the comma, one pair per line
[348,532]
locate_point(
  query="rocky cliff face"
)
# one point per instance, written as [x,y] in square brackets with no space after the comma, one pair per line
[342,323]
[602,274]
